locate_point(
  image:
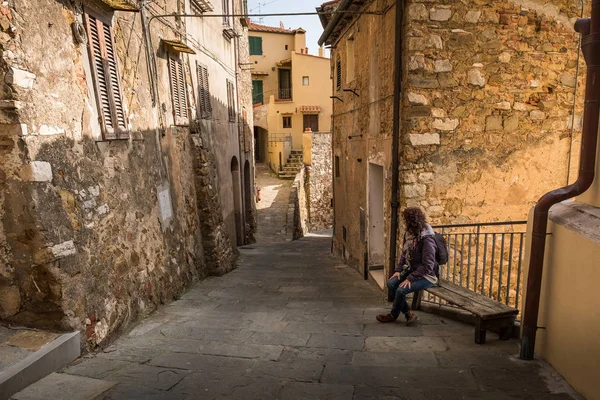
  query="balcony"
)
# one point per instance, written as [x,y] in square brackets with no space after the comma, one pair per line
[284,95]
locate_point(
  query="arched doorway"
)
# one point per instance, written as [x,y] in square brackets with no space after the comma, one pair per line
[237,201]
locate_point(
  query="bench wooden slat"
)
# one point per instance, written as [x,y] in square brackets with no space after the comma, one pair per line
[482,306]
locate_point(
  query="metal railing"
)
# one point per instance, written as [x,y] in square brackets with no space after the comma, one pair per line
[285,94]
[485,258]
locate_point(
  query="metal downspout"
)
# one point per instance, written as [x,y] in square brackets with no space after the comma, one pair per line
[334,21]
[395,204]
[590,45]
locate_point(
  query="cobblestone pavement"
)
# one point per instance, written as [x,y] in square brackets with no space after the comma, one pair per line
[273,207]
[293,323]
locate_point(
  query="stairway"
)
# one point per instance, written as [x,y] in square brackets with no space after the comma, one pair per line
[293,165]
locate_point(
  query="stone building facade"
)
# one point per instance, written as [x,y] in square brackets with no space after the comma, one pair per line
[490,112]
[126,157]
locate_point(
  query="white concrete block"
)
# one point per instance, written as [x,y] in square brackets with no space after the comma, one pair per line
[37,171]
[446,124]
[425,139]
[21,78]
[64,249]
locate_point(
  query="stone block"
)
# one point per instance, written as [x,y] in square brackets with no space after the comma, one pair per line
[413,191]
[493,123]
[10,301]
[443,66]
[426,177]
[534,84]
[520,106]
[37,171]
[64,249]
[424,139]
[427,42]
[13,130]
[441,14]
[568,80]
[439,113]
[418,12]
[537,115]
[47,130]
[417,99]
[447,80]
[446,124]
[476,78]
[416,62]
[11,104]
[418,111]
[504,57]
[421,82]
[511,124]
[504,105]
[547,105]
[334,341]
[19,77]
[472,17]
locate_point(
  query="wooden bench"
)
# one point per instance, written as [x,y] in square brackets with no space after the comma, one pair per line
[490,314]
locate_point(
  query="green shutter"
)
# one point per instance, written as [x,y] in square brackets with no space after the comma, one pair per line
[257,92]
[255,46]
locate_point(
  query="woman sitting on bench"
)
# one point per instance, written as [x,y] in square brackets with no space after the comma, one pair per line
[417,268]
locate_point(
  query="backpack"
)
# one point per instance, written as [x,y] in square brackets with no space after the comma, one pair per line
[441,252]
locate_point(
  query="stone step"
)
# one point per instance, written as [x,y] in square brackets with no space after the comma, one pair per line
[28,356]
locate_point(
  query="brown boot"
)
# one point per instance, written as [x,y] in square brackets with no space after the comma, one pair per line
[411,318]
[385,318]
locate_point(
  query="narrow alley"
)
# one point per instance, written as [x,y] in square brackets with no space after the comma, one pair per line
[273,207]
[292,322]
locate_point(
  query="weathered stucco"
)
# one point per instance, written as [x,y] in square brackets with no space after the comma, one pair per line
[82,241]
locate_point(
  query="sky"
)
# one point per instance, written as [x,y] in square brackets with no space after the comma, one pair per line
[311,23]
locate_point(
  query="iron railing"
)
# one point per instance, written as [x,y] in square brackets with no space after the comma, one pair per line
[280,137]
[285,94]
[485,258]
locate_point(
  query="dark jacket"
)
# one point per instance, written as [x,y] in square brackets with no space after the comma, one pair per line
[422,258]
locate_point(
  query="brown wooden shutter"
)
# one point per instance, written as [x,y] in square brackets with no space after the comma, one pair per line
[230,100]
[339,75]
[178,91]
[203,92]
[107,83]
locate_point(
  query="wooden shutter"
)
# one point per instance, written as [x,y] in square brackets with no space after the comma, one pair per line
[339,75]
[204,100]
[107,83]
[255,46]
[178,91]
[230,101]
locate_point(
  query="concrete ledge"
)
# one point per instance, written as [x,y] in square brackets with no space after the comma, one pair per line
[51,357]
[578,217]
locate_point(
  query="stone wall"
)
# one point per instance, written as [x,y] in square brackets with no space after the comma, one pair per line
[319,182]
[487,110]
[85,243]
[489,106]
[300,206]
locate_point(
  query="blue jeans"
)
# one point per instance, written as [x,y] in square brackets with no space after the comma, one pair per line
[400,304]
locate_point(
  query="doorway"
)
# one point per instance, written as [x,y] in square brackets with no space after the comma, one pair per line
[248,192]
[311,121]
[376,218]
[285,84]
[237,201]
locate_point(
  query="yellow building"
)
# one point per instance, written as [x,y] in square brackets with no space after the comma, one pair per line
[291,93]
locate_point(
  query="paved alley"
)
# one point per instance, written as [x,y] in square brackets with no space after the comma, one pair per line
[294,323]
[273,207]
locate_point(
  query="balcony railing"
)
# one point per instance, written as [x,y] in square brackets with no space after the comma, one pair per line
[285,94]
[485,258]
[280,137]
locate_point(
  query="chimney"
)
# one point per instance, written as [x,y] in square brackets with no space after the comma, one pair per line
[306,50]
[321,52]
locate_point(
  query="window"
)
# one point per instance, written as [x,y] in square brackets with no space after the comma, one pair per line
[204,101]
[311,121]
[350,60]
[105,72]
[337,166]
[200,6]
[257,92]
[231,101]
[178,91]
[305,81]
[226,13]
[286,47]
[339,75]
[287,122]
[255,46]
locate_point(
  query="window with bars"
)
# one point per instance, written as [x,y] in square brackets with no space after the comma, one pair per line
[339,75]
[105,72]
[287,122]
[204,101]
[231,100]
[178,91]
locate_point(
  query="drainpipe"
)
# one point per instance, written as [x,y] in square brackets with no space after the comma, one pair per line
[395,204]
[590,44]
[334,21]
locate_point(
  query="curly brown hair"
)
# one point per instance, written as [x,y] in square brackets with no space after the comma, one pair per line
[414,219]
